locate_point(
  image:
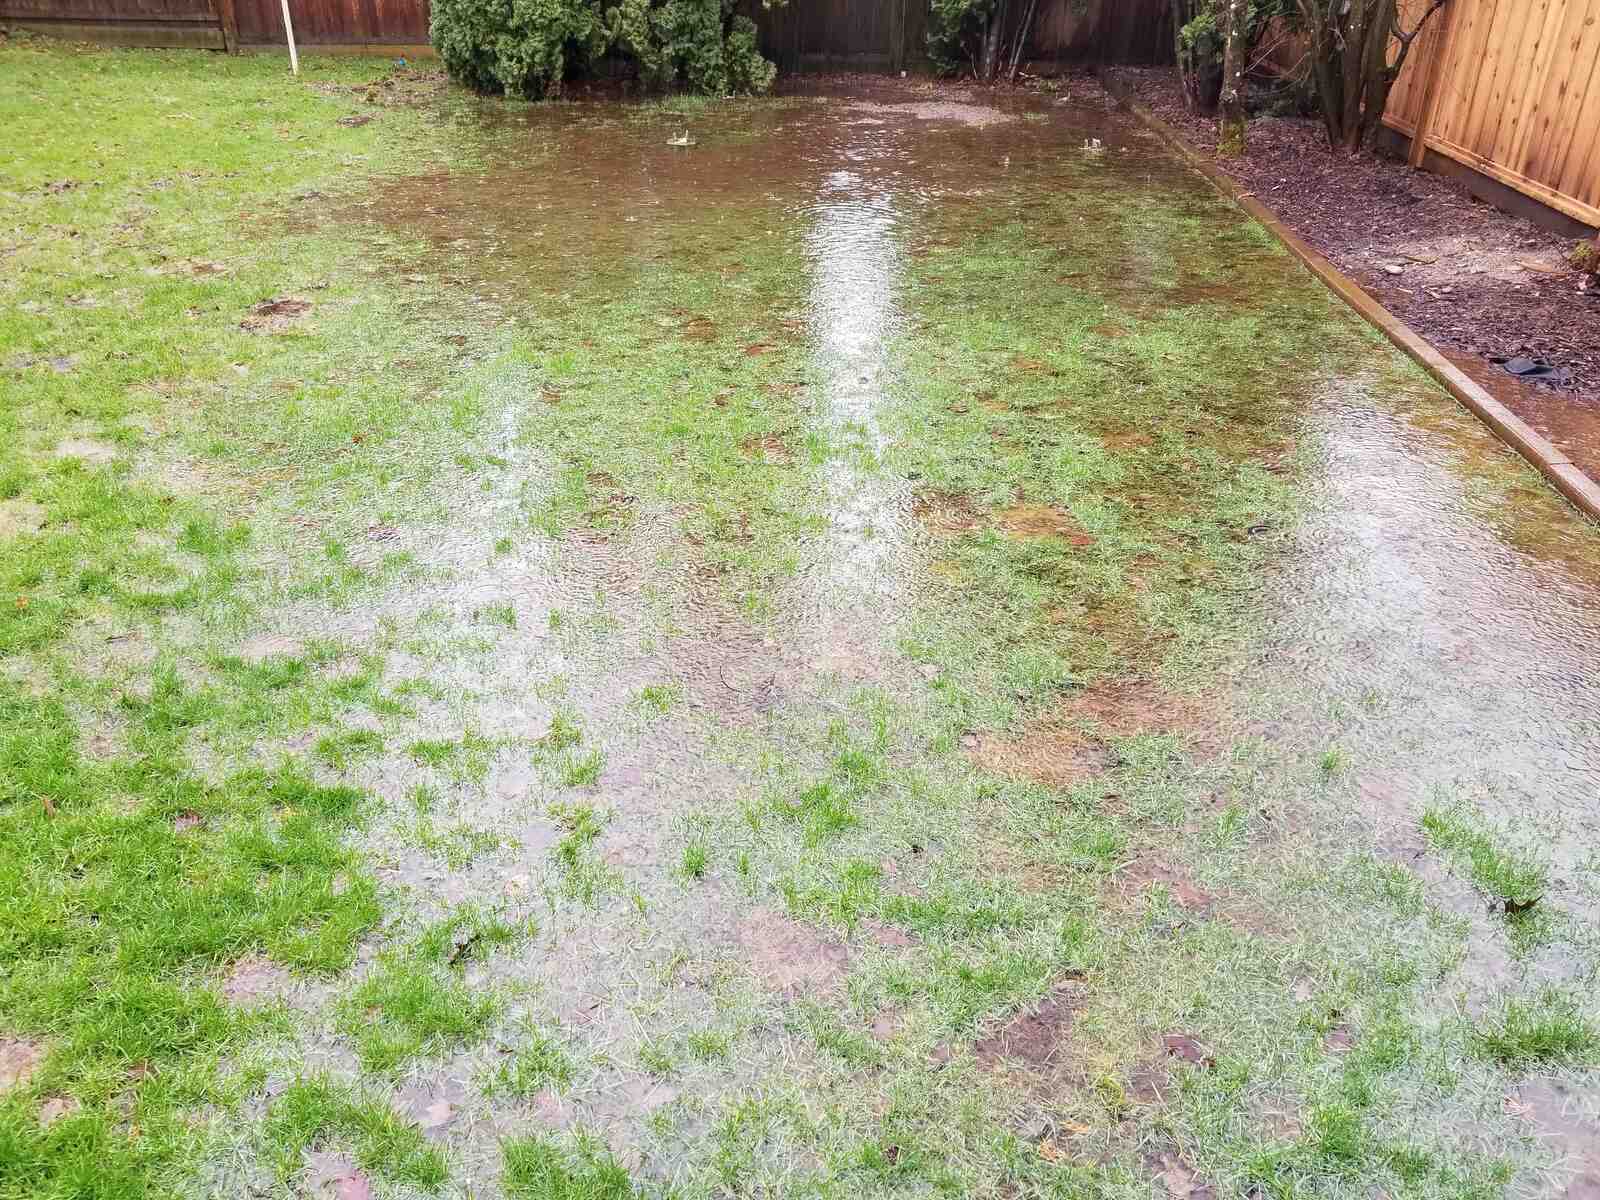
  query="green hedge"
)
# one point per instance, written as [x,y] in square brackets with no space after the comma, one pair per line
[531,47]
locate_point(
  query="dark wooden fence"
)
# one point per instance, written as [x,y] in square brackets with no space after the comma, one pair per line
[121,22]
[893,34]
[804,35]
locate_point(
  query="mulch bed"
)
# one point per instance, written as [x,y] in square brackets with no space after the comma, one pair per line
[1471,279]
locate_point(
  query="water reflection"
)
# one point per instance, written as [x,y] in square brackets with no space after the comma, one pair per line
[855,249]
[1409,600]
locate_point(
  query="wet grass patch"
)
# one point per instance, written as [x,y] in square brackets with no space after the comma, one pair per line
[315,1113]
[537,1168]
[1511,876]
[1545,1029]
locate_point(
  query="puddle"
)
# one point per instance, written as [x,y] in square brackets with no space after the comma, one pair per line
[1421,574]
[1565,1119]
[1437,618]
[1574,427]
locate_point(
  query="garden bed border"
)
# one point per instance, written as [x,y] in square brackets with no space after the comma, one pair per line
[1564,476]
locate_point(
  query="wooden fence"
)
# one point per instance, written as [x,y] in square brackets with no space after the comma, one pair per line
[893,34]
[121,22]
[803,34]
[1511,89]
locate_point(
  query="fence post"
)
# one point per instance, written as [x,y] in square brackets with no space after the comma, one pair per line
[1431,85]
[228,18]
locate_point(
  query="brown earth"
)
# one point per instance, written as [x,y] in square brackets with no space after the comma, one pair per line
[1072,743]
[1475,281]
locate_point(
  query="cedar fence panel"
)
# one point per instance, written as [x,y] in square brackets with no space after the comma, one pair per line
[1511,88]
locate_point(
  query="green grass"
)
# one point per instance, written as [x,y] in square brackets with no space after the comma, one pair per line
[314,1112]
[1547,1029]
[539,1062]
[1512,876]
[539,1169]
[696,858]
[406,1008]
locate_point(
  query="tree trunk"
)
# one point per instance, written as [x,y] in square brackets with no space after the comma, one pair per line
[1351,41]
[1182,14]
[1024,31]
[992,39]
[1230,131]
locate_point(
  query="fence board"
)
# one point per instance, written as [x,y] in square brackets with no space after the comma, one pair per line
[1519,97]
[333,22]
[106,11]
[894,33]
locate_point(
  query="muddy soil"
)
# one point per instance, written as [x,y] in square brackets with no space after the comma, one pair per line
[1478,283]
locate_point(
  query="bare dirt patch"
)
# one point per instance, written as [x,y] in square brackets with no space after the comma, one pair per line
[1072,743]
[55,1107]
[19,517]
[789,956]
[1140,876]
[952,513]
[699,329]
[1129,705]
[770,449]
[1122,443]
[1053,755]
[1181,1179]
[1030,521]
[1186,1048]
[276,315]
[18,1061]
[255,980]
[1033,1037]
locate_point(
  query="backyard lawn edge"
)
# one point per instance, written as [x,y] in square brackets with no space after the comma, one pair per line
[1564,476]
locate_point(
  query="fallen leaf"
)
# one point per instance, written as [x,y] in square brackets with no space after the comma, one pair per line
[353,1187]
[437,1115]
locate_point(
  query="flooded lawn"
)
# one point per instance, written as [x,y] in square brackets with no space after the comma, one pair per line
[900,648]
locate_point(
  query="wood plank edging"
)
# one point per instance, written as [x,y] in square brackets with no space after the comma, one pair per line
[1583,492]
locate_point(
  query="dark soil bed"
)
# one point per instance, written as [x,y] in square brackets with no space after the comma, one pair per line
[1477,282]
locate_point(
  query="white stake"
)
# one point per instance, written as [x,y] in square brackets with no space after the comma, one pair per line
[288,28]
